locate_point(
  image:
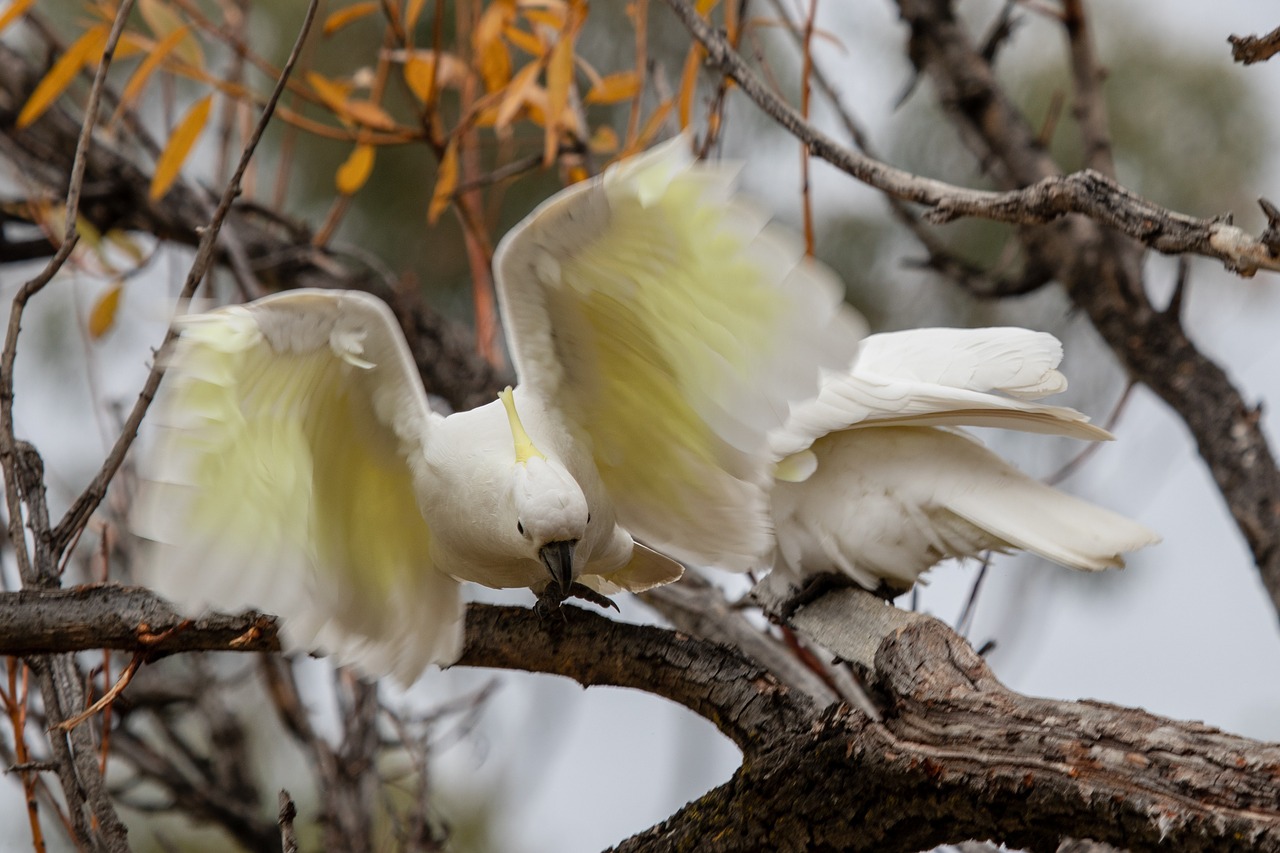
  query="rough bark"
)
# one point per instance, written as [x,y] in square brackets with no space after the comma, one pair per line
[957,756]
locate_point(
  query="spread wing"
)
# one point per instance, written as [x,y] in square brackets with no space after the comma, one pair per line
[672,327]
[942,377]
[281,479]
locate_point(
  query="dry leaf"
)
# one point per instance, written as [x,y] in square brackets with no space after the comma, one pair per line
[493,60]
[422,69]
[15,11]
[62,73]
[446,183]
[412,10]
[340,18]
[528,42]
[103,315]
[613,88]
[603,141]
[559,79]
[333,94]
[370,114]
[517,95]
[162,20]
[180,143]
[689,83]
[353,173]
[143,72]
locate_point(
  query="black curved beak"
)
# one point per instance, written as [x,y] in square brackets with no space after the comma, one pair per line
[558,558]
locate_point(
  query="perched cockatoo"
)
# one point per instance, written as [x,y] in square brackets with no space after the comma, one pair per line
[660,328]
[876,482]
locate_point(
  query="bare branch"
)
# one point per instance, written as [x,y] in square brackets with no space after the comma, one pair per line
[1251,49]
[1088,192]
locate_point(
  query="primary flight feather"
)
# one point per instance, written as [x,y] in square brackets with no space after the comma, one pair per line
[660,329]
[877,482]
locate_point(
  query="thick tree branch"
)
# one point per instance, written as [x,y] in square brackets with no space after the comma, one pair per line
[954,740]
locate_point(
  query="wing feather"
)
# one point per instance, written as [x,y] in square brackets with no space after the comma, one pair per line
[673,327]
[282,478]
[942,377]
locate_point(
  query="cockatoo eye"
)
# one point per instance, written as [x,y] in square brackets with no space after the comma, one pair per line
[520,526]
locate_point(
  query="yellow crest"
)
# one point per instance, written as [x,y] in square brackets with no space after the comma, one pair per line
[524,445]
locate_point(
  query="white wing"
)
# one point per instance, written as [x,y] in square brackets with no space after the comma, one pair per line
[889,503]
[282,480]
[672,327]
[942,377]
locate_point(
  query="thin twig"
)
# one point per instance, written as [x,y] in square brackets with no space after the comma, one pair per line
[88,501]
[1088,192]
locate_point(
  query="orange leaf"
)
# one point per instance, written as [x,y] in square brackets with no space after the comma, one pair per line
[517,94]
[613,88]
[143,72]
[651,127]
[412,10]
[162,20]
[704,7]
[423,68]
[689,83]
[528,42]
[339,19]
[180,143]
[15,11]
[370,114]
[446,182]
[332,93]
[62,73]
[103,315]
[493,60]
[603,141]
[559,79]
[353,173]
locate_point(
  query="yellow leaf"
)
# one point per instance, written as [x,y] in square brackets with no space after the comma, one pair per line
[143,72]
[340,18]
[704,7]
[446,183]
[353,173]
[603,141]
[553,18]
[15,11]
[423,68]
[122,241]
[162,20]
[559,79]
[493,60]
[516,95]
[689,83]
[103,315]
[613,88]
[332,93]
[370,114]
[180,142]
[528,42]
[412,10]
[652,126]
[62,73]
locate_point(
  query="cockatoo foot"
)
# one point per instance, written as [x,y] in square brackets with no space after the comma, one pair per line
[813,588]
[552,596]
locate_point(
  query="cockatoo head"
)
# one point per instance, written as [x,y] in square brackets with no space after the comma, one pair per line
[551,510]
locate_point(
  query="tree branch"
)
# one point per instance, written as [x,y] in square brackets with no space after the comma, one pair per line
[1086,192]
[954,741]
[1251,49]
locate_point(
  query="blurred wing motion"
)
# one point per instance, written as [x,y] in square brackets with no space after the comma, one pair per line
[283,480]
[672,327]
[882,489]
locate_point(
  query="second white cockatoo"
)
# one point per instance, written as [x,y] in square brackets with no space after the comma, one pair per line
[659,327]
[877,483]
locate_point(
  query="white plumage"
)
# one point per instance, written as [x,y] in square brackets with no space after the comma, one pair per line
[660,330]
[877,482]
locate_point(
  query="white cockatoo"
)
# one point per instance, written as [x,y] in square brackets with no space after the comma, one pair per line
[877,482]
[659,327]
